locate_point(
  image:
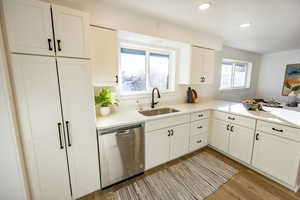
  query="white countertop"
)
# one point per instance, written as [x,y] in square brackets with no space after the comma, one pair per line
[276,115]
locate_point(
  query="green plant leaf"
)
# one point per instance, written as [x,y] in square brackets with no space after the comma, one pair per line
[296,88]
[105,98]
[286,84]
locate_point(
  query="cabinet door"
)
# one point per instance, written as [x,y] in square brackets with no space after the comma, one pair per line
[208,66]
[39,111]
[219,135]
[79,117]
[196,66]
[104,56]
[241,143]
[277,156]
[28,26]
[157,148]
[179,145]
[71,32]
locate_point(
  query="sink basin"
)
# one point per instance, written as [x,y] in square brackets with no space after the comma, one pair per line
[159,111]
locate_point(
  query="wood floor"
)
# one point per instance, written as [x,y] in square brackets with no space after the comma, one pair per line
[246,185]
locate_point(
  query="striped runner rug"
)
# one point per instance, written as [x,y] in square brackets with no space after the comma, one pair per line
[192,179]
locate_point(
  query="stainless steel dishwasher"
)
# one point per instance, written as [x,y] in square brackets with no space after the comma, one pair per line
[122,153]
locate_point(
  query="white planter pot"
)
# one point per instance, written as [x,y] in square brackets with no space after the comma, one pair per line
[292,97]
[104,111]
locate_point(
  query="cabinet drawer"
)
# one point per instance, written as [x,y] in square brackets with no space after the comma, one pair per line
[197,142]
[280,130]
[235,119]
[200,126]
[200,115]
[166,122]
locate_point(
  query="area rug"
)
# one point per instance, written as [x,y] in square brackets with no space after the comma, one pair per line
[193,179]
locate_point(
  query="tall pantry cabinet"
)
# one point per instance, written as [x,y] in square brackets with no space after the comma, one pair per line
[48,46]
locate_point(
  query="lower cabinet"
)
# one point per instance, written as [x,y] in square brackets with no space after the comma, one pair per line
[232,139]
[166,144]
[219,135]
[241,143]
[277,156]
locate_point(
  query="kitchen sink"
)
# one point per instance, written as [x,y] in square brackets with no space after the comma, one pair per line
[159,111]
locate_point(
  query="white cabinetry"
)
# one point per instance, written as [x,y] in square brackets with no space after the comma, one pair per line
[104,56]
[54,126]
[28,26]
[277,156]
[30,31]
[219,136]
[165,144]
[71,32]
[201,69]
[231,137]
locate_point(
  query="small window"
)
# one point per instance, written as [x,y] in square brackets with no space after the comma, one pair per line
[142,69]
[235,74]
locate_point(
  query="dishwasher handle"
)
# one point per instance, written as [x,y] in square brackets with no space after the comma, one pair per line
[121,130]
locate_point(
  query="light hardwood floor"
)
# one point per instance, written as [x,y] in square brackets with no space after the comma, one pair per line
[246,185]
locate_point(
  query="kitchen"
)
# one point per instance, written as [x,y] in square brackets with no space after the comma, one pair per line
[96,100]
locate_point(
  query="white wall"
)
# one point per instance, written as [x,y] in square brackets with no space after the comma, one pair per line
[272,73]
[103,14]
[232,95]
[12,182]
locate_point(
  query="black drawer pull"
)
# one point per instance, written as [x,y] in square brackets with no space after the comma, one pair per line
[231,129]
[231,118]
[256,136]
[58,45]
[227,127]
[59,135]
[199,127]
[278,130]
[201,115]
[169,133]
[199,141]
[49,44]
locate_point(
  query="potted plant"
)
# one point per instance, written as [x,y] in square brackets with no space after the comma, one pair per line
[105,100]
[292,97]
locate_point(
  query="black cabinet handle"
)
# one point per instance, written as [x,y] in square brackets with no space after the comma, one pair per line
[257,136]
[231,128]
[68,133]
[227,127]
[199,127]
[199,141]
[59,135]
[58,45]
[231,118]
[169,132]
[278,130]
[117,79]
[172,132]
[201,115]
[49,44]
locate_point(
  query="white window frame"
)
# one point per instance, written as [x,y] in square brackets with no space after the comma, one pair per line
[149,49]
[247,83]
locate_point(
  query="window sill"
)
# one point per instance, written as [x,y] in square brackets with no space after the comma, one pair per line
[146,94]
[234,89]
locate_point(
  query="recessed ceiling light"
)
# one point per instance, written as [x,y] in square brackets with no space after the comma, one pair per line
[245,25]
[204,6]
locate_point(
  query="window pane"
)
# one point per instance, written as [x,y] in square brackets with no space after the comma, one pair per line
[133,70]
[240,71]
[159,71]
[226,75]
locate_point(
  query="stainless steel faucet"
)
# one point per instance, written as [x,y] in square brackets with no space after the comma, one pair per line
[158,96]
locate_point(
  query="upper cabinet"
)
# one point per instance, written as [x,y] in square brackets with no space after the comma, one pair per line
[71,32]
[64,33]
[200,68]
[104,56]
[30,33]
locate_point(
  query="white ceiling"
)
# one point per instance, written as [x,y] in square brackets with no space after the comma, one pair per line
[276,23]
